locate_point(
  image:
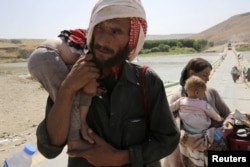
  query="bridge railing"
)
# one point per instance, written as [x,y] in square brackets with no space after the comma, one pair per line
[170,84]
[245,68]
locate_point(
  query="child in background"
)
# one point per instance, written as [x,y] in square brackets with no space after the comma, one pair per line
[195,113]
[63,51]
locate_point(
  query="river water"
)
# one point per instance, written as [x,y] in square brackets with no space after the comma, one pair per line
[168,67]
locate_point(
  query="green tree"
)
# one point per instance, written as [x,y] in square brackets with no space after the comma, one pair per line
[155,49]
[164,48]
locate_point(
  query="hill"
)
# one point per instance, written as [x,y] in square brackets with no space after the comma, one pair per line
[236,29]
[17,48]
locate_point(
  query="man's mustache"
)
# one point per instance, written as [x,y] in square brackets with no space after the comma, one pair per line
[103,48]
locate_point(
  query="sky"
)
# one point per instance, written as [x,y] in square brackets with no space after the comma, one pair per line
[41,19]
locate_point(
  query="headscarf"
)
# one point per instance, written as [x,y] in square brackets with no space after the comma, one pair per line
[110,9]
[76,39]
[78,36]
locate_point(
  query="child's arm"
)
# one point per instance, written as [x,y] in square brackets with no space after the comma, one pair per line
[84,125]
[85,101]
[210,112]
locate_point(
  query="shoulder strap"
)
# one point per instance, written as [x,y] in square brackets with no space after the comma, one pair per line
[143,90]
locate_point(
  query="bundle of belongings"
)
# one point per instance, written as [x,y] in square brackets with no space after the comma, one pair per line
[239,140]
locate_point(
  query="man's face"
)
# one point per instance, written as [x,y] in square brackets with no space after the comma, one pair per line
[110,42]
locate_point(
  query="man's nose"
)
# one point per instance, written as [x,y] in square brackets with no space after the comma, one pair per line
[105,38]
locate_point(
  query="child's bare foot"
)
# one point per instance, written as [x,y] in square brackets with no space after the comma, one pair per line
[84,133]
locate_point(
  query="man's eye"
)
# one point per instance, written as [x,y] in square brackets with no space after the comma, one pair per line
[116,31]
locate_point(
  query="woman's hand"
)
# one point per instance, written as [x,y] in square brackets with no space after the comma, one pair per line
[102,153]
[227,129]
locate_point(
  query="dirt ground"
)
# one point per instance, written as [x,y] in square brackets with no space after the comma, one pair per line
[22,107]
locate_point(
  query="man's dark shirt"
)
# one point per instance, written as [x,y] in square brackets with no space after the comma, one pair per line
[119,118]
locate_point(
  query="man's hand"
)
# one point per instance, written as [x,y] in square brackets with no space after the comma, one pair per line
[91,88]
[102,153]
[81,73]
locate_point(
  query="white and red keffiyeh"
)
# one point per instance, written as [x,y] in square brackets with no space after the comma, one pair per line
[133,9]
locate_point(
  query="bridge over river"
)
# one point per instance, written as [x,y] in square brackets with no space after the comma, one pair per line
[236,95]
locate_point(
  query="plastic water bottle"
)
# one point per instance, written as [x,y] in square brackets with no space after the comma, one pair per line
[218,134]
[21,158]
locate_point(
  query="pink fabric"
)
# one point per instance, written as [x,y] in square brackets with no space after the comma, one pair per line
[78,36]
[134,34]
[195,114]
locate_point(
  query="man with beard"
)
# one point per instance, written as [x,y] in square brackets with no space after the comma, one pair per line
[125,130]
